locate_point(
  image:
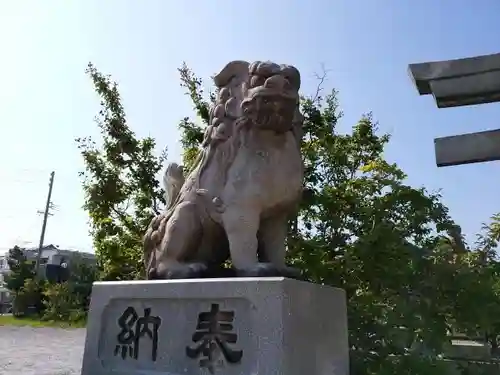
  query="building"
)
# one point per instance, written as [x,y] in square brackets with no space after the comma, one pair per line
[55,265]
[4,269]
[53,255]
[52,260]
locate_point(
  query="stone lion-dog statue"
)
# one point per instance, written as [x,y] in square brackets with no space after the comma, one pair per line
[245,184]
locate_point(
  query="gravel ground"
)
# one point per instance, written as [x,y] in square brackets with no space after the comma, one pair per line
[41,351]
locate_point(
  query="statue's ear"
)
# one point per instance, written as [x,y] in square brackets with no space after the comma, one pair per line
[292,74]
[232,69]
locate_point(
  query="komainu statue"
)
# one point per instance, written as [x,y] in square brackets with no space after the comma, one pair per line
[247,181]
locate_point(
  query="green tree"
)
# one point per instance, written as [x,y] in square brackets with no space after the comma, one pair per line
[192,132]
[81,277]
[27,291]
[20,270]
[29,300]
[122,192]
[70,300]
[62,303]
[488,265]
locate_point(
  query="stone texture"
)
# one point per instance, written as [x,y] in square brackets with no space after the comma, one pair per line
[479,88]
[460,82]
[423,73]
[246,183]
[467,148]
[282,326]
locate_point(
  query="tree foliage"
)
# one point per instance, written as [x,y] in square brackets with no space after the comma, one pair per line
[410,278]
[63,303]
[20,269]
[192,132]
[489,275]
[52,300]
[122,192]
[21,281]
[70,300]
[29,300]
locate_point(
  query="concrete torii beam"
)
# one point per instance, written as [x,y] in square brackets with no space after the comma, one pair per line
[462,82]
[454,83]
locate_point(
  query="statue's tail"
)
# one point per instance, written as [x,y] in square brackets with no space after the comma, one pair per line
[173,179]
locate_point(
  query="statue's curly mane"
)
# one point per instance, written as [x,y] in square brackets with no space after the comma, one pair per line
[227,124]
[222,153]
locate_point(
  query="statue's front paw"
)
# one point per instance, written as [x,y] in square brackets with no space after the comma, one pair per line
[268,270]
[179,271]
[153,274]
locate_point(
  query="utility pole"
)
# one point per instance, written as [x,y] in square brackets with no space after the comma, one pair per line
[44,225]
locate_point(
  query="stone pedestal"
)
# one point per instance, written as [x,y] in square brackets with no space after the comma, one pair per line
[240,326]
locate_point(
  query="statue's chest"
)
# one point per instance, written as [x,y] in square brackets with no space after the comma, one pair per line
[272,164]
[268,166]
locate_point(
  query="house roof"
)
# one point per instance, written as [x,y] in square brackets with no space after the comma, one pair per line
[66,252]
[32,251]
[48,247]
[73,252]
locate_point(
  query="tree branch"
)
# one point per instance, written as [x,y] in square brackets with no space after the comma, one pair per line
[319,88]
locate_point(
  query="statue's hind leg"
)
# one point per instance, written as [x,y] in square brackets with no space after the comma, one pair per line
[179,244]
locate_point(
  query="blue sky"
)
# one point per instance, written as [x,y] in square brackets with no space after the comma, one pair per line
[46,100]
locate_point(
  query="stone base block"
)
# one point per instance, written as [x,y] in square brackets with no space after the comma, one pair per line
[240,326]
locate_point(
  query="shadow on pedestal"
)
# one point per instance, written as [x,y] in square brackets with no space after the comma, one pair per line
[201,271]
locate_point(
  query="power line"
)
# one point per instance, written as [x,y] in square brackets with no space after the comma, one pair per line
[33,175]
[8,177]
[35,170]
